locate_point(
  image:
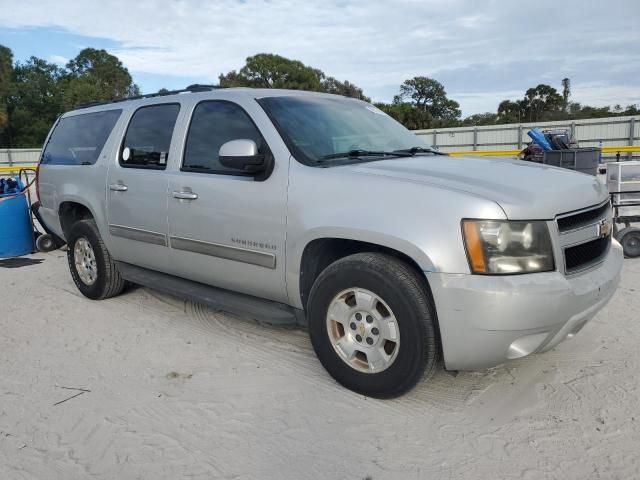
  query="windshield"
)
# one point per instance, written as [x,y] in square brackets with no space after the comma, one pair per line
[318,130]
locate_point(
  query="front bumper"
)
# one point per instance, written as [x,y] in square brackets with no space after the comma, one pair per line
[487,320]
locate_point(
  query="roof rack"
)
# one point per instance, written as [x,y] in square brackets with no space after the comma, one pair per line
[196,87]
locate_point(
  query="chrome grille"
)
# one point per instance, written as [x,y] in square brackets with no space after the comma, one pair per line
[584,236]
[581,219]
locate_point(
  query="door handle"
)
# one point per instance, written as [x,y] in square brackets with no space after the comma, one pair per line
[185,195]
[118,187]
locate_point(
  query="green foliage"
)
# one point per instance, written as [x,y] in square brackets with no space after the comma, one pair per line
[266,70]
[346,88]
[422,103]
[34,103]
[512,112]
[543,101]
[428,95]
[273,71]
[407,114]
[34,93]
[479,119]
[539,104]
[6,87]
[96,75]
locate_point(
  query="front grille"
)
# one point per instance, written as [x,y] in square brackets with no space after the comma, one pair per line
[585,254]
[581,219]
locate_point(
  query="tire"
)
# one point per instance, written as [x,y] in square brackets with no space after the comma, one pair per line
[107,281]
[629,238]
[46,243]
[401,294]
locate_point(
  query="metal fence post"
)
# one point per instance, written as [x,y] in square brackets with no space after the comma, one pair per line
[519,137]
[475,138]
[632,131]
[435,139]
[10,160]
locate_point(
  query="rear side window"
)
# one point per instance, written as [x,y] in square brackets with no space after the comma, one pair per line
[215,122]
[79,139]
[148,138]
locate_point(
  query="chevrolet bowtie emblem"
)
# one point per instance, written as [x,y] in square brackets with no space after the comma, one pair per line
[604,229]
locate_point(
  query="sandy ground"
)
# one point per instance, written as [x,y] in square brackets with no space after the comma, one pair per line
[171,389]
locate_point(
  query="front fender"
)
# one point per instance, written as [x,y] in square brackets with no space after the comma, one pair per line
[297,248]
[421,221]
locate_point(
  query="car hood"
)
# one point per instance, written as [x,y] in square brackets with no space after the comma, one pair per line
[524,190]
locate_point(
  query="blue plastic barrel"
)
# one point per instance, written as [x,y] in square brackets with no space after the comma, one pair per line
[16,233]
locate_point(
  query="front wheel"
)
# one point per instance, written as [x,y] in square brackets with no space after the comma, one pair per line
[92,268]
[629,238]
[372,324]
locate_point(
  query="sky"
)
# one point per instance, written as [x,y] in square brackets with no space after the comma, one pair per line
[482,51]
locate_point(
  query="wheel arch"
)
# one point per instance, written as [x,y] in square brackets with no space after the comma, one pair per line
[319,251]
[71,211]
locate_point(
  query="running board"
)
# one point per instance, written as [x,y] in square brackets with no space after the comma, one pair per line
[259,309]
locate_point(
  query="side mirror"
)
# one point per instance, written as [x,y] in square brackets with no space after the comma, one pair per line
[242,155]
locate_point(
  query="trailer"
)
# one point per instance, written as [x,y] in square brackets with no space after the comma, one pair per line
[623,181]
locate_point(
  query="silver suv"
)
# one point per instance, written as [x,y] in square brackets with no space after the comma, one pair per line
[307,208]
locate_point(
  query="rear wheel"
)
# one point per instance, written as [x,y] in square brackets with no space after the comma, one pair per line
[372,324]
[629,238]
[92,268]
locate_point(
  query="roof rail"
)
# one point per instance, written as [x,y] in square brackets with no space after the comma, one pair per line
[196,87]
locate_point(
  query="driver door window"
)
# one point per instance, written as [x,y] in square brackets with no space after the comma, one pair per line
[213,124]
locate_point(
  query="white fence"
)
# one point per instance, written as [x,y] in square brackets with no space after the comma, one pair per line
[19,157]
[610,131]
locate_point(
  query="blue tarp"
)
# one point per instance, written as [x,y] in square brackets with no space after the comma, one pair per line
[538,138]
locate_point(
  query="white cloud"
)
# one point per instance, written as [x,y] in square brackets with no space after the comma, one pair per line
[374,44]
[58,59]
[602,95]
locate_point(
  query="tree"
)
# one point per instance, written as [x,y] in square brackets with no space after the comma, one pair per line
[266,70]
[407,114]
[428,95]
[346,88]
[478,119]
[96,75]
[631,110]
[6,73]
[35,102]
[541,102]
[512,112]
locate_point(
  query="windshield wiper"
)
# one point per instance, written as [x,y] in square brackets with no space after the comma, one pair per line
[366,153]
[414,150]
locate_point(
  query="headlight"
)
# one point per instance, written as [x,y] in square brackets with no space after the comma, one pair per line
[504,247]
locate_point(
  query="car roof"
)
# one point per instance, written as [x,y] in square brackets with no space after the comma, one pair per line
[235,93]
